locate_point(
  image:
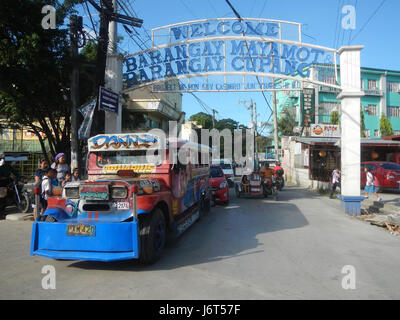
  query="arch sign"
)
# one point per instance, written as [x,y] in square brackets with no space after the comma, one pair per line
[230,55]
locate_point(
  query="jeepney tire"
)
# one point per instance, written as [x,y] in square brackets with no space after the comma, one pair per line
[152,233]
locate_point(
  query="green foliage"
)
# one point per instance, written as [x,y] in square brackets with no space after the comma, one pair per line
[385,126]
[287,122]
[202,119]
[35,70]
[335,117]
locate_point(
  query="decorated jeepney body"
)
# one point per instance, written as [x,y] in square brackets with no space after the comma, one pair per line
[134,196]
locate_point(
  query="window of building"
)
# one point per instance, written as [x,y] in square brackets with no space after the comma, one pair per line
[396,132]
[372,84]
[366,133]
[393,86]
[371,110]
[377,133]
[393,112]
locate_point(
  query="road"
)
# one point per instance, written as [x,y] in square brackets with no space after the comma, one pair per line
[294,248]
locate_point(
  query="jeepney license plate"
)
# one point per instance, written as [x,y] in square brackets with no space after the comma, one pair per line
[81,230]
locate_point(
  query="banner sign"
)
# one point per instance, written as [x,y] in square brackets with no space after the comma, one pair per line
[307,106]
[213,54]
[87,111]
[325,130]
[108,100]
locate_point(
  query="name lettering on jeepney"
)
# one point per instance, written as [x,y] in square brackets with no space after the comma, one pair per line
[123,142]
[139,168]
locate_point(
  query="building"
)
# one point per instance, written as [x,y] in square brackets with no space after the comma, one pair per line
[146,110]
[382,96]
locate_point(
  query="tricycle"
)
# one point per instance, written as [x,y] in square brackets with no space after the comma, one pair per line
[254,185]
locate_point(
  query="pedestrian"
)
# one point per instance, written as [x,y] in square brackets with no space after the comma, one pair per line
[371,184]
[76,175]
[39,173]
[335,181]
[68,178]
[47,186]
[61,166]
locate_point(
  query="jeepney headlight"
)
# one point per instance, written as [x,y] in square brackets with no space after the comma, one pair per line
[72,192]
[119,192]
[223,185]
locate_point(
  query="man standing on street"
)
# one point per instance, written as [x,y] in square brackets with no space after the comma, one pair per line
[335,181]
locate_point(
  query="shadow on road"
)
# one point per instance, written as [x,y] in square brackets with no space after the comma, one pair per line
[224,233]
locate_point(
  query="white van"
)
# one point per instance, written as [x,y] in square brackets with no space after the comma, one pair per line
[227,168]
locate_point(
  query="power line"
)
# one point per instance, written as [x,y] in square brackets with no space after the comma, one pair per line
[369,19]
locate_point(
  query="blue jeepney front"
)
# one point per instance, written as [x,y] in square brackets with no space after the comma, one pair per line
[75,234]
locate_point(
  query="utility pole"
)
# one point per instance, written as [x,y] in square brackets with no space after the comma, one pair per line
[213,117]
[75,32]
[250,107]
[275,115]
[255,129]
[107,14]
[276,140]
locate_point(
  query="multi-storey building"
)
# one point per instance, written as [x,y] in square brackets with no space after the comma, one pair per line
[382,96]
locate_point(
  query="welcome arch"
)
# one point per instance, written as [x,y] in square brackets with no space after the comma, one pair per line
[228,54]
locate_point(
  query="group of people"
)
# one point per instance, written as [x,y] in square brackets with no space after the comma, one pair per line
[371,185]
[266,173]
[57,175]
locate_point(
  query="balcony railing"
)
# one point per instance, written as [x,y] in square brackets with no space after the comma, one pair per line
[328,89]
[373,92]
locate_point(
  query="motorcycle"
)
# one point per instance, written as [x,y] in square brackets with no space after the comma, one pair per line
[280,183]
[13,193]
[270,188]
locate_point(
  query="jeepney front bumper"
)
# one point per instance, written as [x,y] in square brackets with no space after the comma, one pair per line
[92,241]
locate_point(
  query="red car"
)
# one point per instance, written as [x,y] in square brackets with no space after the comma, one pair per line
[219,185]
[388,174]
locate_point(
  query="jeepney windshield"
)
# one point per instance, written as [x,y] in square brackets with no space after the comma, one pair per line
[127,157]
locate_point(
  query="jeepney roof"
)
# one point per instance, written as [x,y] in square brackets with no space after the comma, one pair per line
[138,141]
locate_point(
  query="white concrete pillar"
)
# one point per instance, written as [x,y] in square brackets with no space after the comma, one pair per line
[350,124]
[113,81]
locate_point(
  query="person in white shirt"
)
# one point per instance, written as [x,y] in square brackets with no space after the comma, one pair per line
[335,181]
[370,185]
[47,186]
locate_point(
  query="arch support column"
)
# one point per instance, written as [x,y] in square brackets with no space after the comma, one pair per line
[350,142]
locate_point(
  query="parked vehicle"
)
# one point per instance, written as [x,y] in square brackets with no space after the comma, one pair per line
[12,193]
[388,174]
[219,185]
[130,203]
[254,185]
[226,165]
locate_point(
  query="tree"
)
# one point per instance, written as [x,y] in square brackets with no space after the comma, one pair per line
[35,69]
[335,117]
[362,123]
[385,126]
[202,119]
[287,122]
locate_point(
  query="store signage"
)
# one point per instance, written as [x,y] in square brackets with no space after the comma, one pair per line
[325,130]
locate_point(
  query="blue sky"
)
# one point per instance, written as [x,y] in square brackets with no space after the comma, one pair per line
[378,31]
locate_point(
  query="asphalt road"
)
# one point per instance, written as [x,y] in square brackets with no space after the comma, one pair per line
[294,248]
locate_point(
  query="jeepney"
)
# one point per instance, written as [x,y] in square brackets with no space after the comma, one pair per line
[134,197]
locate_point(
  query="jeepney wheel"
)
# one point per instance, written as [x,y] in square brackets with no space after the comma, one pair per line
[152,236]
